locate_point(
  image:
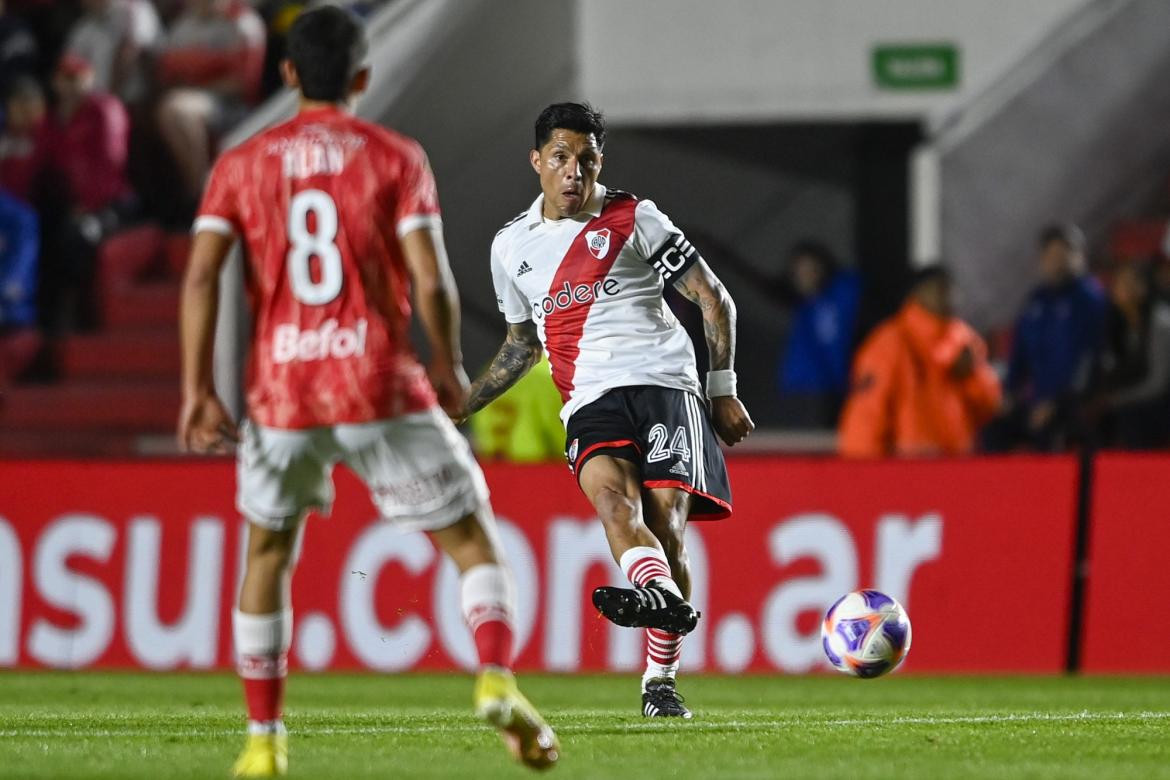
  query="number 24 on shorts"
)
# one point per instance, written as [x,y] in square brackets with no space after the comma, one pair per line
[659,435]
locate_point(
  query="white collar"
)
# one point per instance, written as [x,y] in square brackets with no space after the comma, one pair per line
[591,210]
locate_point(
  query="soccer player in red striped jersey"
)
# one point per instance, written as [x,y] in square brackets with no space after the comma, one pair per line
[580,274]
[339,220]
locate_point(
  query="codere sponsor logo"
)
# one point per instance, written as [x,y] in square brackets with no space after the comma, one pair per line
[290,343]
[572,295]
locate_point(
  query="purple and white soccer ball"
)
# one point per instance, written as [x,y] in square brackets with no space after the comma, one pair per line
[866,634]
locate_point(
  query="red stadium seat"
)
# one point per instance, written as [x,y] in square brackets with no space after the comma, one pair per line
[176,249]
[126,256]
[1137,239]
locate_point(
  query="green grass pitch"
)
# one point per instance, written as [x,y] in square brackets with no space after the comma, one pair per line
[97,725]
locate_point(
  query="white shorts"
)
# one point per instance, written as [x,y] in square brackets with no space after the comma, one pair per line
[419,470]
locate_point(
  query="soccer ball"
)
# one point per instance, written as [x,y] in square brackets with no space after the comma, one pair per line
[866,634]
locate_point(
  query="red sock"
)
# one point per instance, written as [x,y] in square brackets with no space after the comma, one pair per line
[263,678]
[494,642]
[486,597]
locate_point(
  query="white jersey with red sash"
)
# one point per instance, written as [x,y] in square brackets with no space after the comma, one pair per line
[593,285]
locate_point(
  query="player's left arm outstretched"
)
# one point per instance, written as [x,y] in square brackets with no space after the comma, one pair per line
[728,415]
[205,425]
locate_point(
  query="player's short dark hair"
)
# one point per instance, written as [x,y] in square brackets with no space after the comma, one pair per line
[1065,232]
[578,117]
[326,47]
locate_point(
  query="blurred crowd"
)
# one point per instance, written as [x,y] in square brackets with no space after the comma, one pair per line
[1086,363]
[111,113]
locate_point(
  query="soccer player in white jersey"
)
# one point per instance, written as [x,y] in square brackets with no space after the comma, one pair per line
[580,274]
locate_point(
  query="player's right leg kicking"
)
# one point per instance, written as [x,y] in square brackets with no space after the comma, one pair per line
[647,459]
[645,530]
[642,528]
[613,486]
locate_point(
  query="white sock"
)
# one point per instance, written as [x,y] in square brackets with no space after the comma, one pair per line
[488,600]
[656,671]
[486,592]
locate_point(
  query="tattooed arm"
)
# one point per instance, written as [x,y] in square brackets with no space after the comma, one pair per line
[702,288]
[519,353]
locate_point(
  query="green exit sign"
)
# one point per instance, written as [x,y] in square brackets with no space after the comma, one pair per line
[916,66]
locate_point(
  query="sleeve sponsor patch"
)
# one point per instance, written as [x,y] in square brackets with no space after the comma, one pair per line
[674,258]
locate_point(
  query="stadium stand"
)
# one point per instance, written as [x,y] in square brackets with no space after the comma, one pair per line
[138,264]
[117,390]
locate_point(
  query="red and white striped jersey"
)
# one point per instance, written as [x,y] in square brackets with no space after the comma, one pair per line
[593,285]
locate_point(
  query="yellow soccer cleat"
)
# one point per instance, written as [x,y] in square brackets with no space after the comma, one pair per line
[499,702]
[265,755]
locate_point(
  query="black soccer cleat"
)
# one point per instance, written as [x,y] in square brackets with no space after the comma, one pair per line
[661,700]
[649,607]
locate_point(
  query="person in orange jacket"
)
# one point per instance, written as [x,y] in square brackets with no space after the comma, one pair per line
[921,384]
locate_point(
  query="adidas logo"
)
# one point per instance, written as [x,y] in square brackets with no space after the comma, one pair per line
[524,268]
[679,468]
